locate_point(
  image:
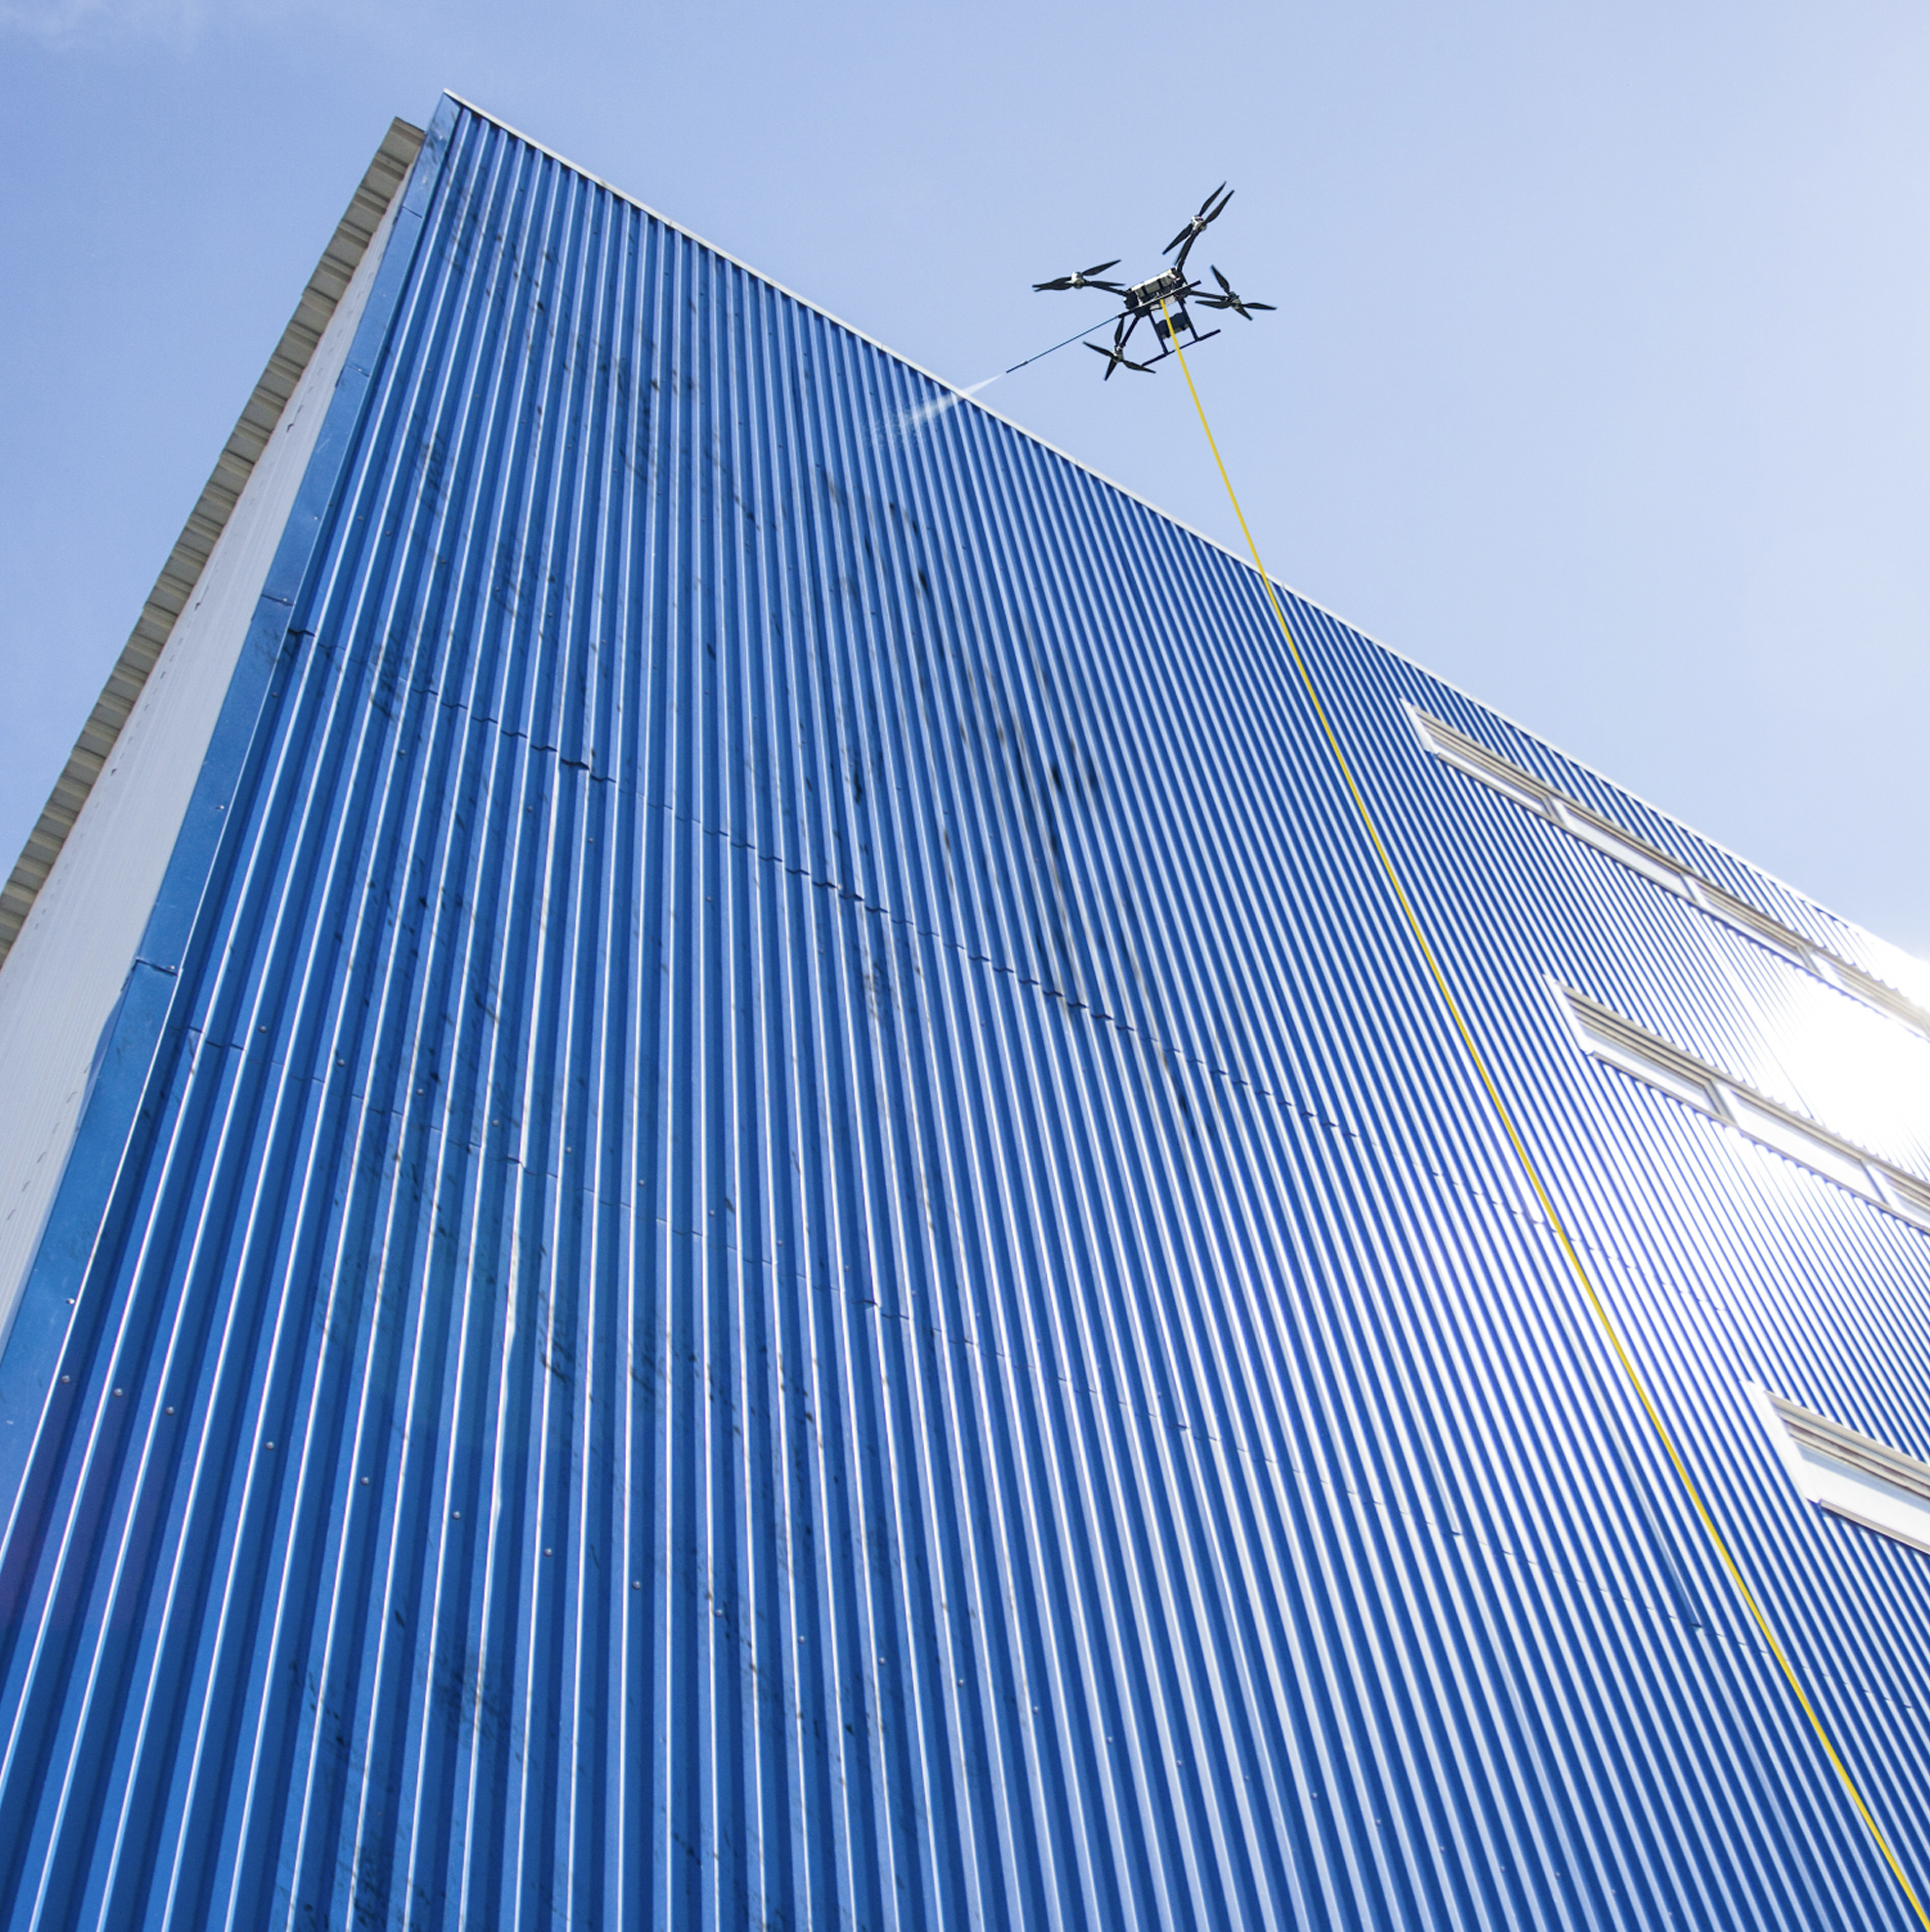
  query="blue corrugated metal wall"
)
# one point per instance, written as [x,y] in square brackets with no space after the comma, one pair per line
[778,1234]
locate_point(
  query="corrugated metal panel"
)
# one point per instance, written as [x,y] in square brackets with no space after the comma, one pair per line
[783,1236]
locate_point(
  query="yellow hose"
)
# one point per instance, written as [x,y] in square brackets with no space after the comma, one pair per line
[1589,1293]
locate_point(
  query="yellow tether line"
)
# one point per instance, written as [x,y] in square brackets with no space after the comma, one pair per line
[1616,1346]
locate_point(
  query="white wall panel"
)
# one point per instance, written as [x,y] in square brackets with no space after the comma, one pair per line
[59,983]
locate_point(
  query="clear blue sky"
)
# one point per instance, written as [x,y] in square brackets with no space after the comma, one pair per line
[1599,386]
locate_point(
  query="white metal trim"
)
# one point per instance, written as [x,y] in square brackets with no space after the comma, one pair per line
[65,972]
[1452,748]
[1604,1034]
[1846,1472]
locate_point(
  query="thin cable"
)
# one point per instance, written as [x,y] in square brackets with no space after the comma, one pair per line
[1058,346]
[1596,1306]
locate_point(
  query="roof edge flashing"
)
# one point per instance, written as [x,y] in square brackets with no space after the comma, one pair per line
[1245,561]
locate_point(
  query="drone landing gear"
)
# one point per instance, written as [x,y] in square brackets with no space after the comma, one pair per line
[1166,325]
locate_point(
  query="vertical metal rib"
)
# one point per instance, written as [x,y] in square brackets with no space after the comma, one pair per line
[876,1293]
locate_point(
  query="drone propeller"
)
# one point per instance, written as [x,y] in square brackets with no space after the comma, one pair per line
[1227,299]
[1198,225]
[1117,359]
[1083,278]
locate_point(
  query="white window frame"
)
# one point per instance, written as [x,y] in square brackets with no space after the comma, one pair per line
[1454,747]
[1605,1034]
[1849,1474]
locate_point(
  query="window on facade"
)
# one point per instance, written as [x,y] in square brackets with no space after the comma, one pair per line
[1910,1197]
[1846,1472]
[1500,775]
[1445,741]
[1607,1035]
[1775,1129]
[1593,830]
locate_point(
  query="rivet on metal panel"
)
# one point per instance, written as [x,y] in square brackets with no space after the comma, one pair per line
[117,1392]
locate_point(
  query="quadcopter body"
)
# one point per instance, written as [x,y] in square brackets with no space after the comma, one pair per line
[1162,299]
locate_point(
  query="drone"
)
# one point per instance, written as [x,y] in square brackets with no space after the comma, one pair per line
[1163,299]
